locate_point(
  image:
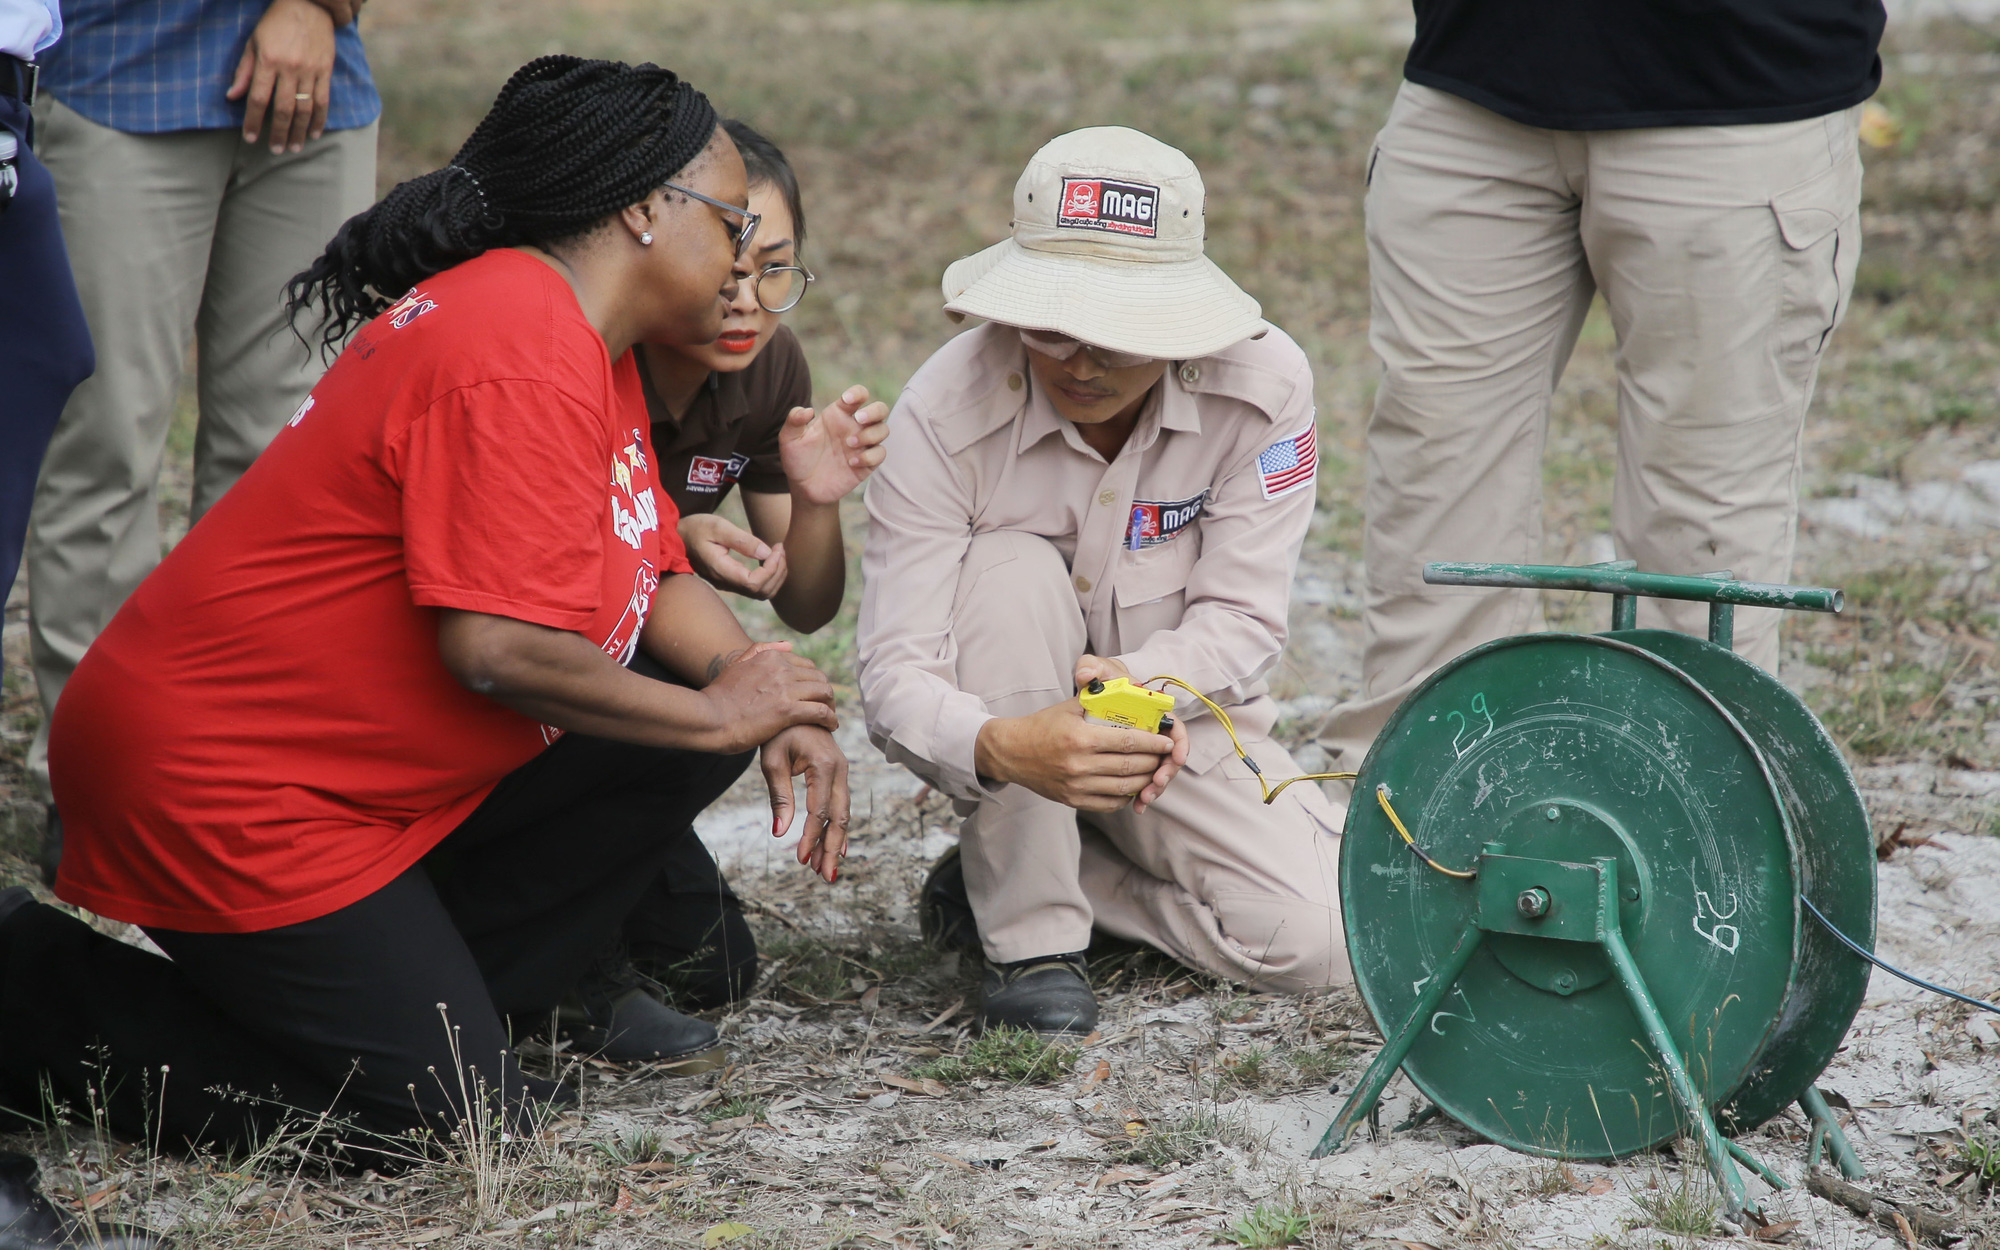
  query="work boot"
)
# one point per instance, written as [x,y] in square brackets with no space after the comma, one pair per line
[1047,994]
[944,912]
[614,1015]
[28,1222]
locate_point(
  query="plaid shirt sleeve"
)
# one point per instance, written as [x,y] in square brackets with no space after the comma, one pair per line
[152,66]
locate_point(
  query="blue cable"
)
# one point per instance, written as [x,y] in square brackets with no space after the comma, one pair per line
[1891,969]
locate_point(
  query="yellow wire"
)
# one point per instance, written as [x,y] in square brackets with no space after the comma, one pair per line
[1228,727]
[1382,797]
[1273,793]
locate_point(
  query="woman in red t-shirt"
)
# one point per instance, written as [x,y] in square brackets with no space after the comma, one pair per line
[364,751]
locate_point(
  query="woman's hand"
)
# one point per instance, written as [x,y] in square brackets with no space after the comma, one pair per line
[826,454]
[812,751]
[710,539]
[763,690]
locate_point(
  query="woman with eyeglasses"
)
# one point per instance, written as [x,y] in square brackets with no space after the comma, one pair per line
[737,412]
[371,756]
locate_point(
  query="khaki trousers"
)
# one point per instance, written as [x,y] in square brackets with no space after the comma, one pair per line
[190,232]
[1725,255]
[1208,874]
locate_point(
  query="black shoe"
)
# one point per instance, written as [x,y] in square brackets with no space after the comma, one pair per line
[13,899]
[944,913]
[613,1015]
[28,1222]
[51,847]
[1049,994]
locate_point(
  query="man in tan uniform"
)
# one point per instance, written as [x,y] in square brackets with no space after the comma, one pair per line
[1695,164]
[1112,477]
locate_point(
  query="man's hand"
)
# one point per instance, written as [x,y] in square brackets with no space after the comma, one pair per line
[764,690]
[1090,668]
[709,540]
[827,454]
[287,70]
[804,749]
[1094,768]
[341,11]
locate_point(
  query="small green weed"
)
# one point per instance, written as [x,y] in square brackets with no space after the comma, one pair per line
[1981,1154]
[1250,1069]
[1012,1055]
[1267,1228]
[740,1105]
[633,1147]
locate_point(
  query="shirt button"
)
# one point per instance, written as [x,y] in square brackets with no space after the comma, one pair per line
[1083,583]
[1190,373]
[1107,498]
[1013,381]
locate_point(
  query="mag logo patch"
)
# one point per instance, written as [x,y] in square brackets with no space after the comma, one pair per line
[1154,523]
[707,474]
[1104,204]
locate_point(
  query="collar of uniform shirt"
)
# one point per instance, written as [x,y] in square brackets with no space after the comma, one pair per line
[1168,406]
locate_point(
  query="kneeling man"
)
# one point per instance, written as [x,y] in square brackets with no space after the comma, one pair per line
[1111,478]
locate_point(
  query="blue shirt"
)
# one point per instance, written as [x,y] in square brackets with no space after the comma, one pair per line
[150,66]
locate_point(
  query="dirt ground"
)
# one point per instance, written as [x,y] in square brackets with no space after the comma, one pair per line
[857,1111]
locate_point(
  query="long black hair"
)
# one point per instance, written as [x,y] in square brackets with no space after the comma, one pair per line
[567,143]
[764,164]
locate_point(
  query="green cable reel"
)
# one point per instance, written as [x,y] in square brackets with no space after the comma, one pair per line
[1606,948]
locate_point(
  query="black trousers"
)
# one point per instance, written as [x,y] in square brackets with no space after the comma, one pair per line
[44,343]
[374,1012]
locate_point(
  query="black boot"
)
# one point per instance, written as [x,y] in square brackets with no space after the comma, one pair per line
[944,912]
[28,1222]
[612,1014]
[1048,994]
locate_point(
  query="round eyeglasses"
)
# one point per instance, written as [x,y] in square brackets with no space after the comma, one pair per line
[779,288]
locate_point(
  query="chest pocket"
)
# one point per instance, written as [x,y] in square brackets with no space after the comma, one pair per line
[1149,589]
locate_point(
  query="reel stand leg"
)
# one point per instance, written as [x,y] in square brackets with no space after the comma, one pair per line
[1827,1129]
[1362,1101]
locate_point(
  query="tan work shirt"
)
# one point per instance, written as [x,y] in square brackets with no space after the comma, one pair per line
[1181,550]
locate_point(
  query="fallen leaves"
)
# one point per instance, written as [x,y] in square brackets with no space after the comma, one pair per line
[727,1231]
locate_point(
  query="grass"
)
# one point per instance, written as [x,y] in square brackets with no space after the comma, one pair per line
[1015,1056]
[736,1107]
[1184,1138]
[1268,1227]
[1683,1202]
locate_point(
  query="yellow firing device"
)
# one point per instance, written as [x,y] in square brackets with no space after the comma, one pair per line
[1119,702]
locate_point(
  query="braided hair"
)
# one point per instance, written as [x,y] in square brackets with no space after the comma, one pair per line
[567,143]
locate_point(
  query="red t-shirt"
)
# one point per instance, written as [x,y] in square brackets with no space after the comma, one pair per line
[265,732]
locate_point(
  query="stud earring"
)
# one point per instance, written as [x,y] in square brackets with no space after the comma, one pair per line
[646,237]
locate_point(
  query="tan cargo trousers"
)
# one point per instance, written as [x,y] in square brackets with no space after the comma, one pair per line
[1725,255]
[186,233]
[1207,874]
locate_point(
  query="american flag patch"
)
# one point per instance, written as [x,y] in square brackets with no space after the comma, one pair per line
[1289,463]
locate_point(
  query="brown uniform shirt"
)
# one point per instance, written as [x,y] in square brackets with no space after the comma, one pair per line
[1181,549]
[730,431]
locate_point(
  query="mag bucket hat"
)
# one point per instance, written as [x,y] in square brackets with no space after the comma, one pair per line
[1107,248]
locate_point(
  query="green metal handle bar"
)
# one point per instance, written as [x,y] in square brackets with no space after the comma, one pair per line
[1620,579]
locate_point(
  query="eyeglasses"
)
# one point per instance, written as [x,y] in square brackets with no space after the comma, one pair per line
[739,235]
[780,287]
[1062,347]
